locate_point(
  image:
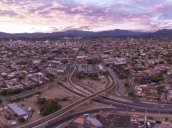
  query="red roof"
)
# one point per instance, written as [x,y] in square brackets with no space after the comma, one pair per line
[79,120]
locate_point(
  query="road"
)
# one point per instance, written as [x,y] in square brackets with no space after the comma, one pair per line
[80,114]
[55,116]
[128,105]
[92,95]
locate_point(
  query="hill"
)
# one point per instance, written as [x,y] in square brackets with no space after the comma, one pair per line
[75,33]
[70,33]
[164,33]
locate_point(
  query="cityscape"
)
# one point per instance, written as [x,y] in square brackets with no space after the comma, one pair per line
[105,64]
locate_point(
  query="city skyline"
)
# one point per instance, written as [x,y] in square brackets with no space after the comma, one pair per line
[17,16]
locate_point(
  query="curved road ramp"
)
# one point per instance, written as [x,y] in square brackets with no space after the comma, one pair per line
[45,121]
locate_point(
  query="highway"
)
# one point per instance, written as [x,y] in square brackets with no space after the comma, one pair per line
[69,118]
[87,94]
[126,106]
[122,106]
[130,106]
[45,121]
[68,70]
[142,107]
[53,117]
[33,91]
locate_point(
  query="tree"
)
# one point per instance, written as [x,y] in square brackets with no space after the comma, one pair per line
[131,94]
[150,118]
[10,91]
[160,89]
[93,61]
[94,76]
[50,76]
[64,61]
[166,119]
[24,62]
[157,78]
[41,101]
[21,77]
[81,75]
[36,69]
[126,85]
[3,92]
[21,119]
[48,106]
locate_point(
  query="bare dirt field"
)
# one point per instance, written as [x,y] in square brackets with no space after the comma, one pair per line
[96,85]
[63,97]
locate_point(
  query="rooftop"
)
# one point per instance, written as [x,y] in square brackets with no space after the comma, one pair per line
[15,108]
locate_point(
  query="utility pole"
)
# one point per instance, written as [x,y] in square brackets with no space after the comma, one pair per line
[145,118]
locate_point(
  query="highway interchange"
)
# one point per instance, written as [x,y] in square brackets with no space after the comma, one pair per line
[88,94]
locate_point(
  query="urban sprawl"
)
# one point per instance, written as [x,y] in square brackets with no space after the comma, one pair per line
[129,81]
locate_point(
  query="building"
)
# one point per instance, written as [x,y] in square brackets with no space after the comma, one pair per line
[88,68]
[119,61]
[169,95]
[79,120]
[16,110]
[94,121]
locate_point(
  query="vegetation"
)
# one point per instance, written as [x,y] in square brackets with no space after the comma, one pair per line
[93,61]
[126,84]
[21,76]
[21,120]
[10,91]
[57,51]
[41,101]
[50,76]
[160,89]
[150,118]
[64,61]
[143,81]
[93,76]
[48,106]
[22,98]
[36,69]
[24,62]
[122,72]
[82,75]
[157,78]
[105,73]
[166,119]
[131,94]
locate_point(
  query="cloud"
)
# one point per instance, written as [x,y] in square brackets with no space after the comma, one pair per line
[88,15]
[8,13]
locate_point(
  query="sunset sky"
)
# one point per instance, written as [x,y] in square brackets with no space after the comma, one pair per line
[18,16]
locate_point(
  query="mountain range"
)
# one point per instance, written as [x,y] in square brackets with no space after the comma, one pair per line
[165,33]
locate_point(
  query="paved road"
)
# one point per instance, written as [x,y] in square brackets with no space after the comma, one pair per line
[55,116]
[55,125]
[140,107]
[135,106]
[30,92]
[131,81]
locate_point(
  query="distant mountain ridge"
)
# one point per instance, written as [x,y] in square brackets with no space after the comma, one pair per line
[164,33]
[73,33]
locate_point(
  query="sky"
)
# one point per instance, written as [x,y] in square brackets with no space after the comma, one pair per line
[18,16]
